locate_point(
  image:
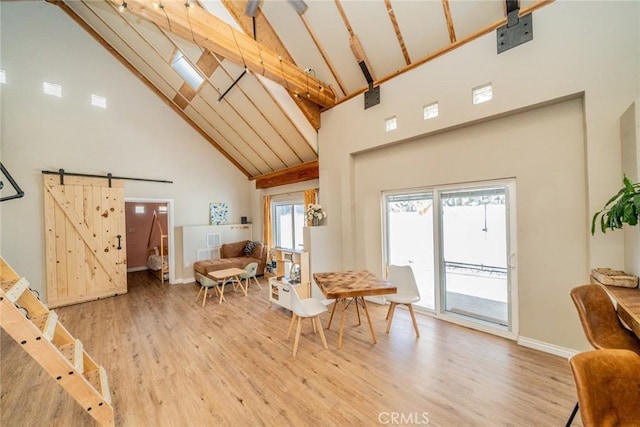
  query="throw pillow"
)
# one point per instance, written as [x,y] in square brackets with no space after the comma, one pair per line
[248,249]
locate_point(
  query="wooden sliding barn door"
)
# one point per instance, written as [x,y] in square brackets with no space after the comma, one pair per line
[84,238]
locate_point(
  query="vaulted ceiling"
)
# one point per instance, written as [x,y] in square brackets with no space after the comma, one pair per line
[270,67]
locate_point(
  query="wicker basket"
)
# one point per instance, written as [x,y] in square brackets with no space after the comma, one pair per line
[610,277]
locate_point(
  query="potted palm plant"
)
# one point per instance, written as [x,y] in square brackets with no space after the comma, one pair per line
[622,208]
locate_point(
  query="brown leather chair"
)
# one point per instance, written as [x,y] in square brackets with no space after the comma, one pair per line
[600,321]
[608,386]
[601,324]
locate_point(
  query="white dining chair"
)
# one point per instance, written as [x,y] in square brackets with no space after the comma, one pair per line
[305,308]
[402,277]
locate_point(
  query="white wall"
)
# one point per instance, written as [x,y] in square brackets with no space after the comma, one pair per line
[630,136]
[586,48]
[138,135]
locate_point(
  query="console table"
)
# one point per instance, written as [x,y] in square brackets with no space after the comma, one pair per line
[628,301]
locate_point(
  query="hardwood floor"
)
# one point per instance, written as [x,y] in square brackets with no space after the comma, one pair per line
[171,362]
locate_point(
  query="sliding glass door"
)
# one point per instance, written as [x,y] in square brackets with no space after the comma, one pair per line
[474,254]
[461,255]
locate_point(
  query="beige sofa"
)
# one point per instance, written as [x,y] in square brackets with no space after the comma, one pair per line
[233,255]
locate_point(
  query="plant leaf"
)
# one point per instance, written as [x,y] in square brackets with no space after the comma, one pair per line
[627,184]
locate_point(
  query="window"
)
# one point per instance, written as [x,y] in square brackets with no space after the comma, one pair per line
[187,71]
[482,94]
[390,124]
[3,76]
[288,224]
[430,111]
[139,209]
[52,89]
[98,101]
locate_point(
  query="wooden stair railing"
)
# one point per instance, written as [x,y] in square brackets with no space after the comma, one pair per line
[37,329]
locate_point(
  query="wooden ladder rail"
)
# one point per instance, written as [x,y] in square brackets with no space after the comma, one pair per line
[49,343]
[155,221]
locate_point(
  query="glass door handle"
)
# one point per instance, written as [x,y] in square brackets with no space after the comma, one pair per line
[511,260]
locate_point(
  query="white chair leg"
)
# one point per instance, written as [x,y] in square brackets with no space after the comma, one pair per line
[413,318]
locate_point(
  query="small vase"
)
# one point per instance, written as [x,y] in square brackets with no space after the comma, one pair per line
[315,221]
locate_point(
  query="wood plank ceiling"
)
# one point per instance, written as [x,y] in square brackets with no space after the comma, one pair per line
[262,92]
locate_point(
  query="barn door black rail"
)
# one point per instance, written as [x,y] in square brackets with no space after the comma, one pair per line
[14,184]
[108,176]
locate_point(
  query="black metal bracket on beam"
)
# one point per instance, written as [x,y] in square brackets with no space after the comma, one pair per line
[372,96]
[14,184]
[517,30]
[109,176]
[232,85]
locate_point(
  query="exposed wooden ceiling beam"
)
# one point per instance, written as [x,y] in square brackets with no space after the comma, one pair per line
[266,36]
[396,28]
[303,172]
[449,19]
[207,31]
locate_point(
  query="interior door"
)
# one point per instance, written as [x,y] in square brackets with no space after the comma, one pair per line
[84,238]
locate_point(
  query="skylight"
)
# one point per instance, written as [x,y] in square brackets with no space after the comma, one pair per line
[187,71]
[52,89]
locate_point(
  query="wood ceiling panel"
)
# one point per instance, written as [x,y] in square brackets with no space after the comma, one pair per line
[224,144]
[228,109]
[232,127]
[423,26]
[283,149]
[277,116]
[243,156]
[264,115]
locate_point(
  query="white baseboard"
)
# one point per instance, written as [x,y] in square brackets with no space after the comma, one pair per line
[546,347]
